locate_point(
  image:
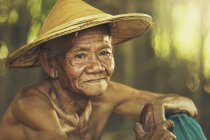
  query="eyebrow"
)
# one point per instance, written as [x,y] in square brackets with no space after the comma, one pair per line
[80,48]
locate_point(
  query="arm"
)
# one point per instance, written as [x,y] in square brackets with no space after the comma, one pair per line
[130,102]
[38,119]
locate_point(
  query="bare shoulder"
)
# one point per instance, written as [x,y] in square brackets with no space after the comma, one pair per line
[30,100]
[40,90]
[32,109]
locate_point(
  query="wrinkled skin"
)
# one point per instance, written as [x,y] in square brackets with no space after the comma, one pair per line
[88,65]
[78,98]
[149,130]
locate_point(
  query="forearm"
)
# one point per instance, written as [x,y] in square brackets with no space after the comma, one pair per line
[130,102]
[134,101]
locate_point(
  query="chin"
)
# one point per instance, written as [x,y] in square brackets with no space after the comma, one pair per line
[94,90]
[93,94]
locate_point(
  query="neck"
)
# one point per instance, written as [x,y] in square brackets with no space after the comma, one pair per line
[69,101]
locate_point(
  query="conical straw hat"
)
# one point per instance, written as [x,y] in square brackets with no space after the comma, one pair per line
[69,16]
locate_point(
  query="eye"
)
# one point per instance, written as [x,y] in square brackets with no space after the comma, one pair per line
[80,56]
[104,53]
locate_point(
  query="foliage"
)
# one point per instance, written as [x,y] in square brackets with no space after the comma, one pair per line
[178,60]
[181,34]
[9,17]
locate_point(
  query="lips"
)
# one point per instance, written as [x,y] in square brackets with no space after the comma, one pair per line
[93,80]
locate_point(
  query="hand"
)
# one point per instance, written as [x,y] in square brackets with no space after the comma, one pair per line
[149,130]
[172,104]
[175,104]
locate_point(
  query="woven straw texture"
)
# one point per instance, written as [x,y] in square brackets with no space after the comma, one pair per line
[69,16]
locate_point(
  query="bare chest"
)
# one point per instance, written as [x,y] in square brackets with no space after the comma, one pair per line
[90,130]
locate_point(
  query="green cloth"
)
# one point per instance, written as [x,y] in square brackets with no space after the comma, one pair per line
[186,128]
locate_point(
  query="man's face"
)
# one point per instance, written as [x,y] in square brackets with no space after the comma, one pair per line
[88,64]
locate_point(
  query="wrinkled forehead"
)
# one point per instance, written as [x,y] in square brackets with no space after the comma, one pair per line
[91,34]
[61,45]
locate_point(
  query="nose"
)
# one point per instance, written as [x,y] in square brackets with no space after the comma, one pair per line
[94,65]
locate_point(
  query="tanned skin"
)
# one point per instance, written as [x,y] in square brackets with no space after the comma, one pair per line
[149,130]
[75,102]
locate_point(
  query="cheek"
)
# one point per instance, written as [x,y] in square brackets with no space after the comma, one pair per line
[72,77]
[109,66]
[63,76]
[74,72]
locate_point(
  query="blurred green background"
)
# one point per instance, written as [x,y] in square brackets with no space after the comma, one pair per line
[174,57]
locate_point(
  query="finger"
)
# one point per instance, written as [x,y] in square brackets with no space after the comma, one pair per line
[147,118]
[167,125]
[139,131]
[168,136]
[193,112]
[173,137]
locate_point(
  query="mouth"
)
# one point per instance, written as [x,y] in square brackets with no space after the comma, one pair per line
[94,80]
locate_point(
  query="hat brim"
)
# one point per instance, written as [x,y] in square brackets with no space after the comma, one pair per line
[123,27]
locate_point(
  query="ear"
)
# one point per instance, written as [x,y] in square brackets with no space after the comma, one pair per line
[48,63]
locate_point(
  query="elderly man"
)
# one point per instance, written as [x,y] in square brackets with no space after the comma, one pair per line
[75,48]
